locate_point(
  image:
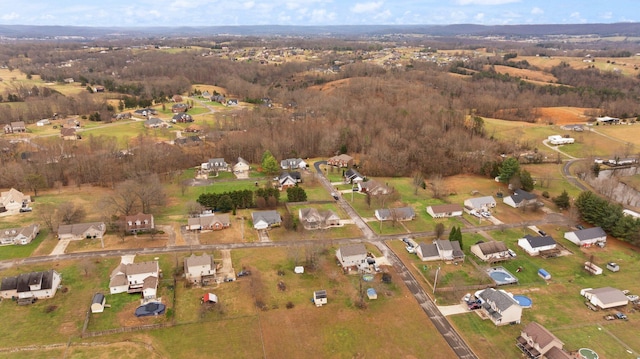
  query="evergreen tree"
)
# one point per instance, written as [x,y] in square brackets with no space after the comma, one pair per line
[508,169]
[526,180]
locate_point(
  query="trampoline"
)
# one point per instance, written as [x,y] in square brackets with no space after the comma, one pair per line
[367,277]
[501,276]
[525,302]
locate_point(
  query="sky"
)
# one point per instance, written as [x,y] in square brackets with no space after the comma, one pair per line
[174,13]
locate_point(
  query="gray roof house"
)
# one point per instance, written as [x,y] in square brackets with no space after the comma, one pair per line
[605,297]
[520,198]
[216,164]
[500,307]
[428,252]
[135,278]
[293,164]
[199,269]
[352,255]
[311,218]
[266,219]
[587,237]
[440,249]
[492,251]
[21,235]
[534,245]
[209,222]
[31,285]
[398,214]
[353,176]
[78,231]
[480,203]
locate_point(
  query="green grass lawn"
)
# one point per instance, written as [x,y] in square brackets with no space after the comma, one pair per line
[23,251]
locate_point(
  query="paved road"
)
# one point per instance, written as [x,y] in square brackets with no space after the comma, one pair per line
[567,174]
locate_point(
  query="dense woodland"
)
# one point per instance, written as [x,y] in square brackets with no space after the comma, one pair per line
[396,120]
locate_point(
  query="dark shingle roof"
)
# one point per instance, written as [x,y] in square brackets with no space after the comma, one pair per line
[536,242]
[590,233]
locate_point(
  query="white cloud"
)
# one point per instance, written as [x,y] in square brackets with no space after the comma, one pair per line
[382,15]
[322,16]
[575,16]
[607,15]
[479,17]
[11,16]
[183,4]
[359,8]
[537,11]
[485,2]
[248,5]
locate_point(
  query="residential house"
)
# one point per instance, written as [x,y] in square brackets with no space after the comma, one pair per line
[535,245]
[80,231]
[445,210]
[428,252]
[98,89]
[71,123]
[139,223]
[209,222]
[135,278]
[188,141]
[176,98]
[395,214]
[68,80]
[352,176]
[181,118]
[606,297]
[500,307]
[68,134]
[480,204]
[440,249]
[352,255]
[289,179]
[206,94]
[20,235]
[492,251]
[311,218]
[15,127]
[293,164]
[155,122]
[536,341]
[145,112]
[374,188]
[241,168]
[13,200]
[215,165]
[179,107]
[266,219]
[200,269]
[37,285]
[218,98]
[520,198]
[587,237]
[232,102]
[341,161]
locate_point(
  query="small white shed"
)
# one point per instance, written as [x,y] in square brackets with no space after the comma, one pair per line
[98,303]
[320,297]
[298,269]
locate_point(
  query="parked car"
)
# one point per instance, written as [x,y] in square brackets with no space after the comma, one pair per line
[466,297]
[580,227]
[621,315]
[26,209]
[542,233]
[512,253]
[632,297]
[150,309]
[243,273]
[486,214]
[410,249]
[609,317]
[229,279]
[474,306]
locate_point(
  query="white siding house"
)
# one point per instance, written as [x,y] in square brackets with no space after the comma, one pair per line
[587,237]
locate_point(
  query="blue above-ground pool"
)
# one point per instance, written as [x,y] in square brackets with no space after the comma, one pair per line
[501,276]
[524,301]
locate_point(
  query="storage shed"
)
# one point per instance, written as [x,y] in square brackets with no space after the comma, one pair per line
[544,274]
[371,293]
[614,267]
[320,297]
[97,303]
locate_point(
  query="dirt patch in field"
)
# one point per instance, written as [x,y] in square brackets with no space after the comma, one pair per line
[330,86]
[562,115]
[526,74]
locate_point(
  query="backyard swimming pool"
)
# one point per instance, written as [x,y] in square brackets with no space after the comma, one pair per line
[525,302]
[501,276]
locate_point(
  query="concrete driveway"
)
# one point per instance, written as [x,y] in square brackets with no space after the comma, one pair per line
[447,310]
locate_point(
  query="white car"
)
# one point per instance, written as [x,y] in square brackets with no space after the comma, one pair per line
[512,253]
[410,249]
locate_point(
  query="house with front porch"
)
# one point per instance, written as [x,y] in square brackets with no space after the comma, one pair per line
[536,341]
[352,176]
[129,277]
[210,222]
[492,251]
[311,218]
[520,198]
[341,161]
[38,285]
[293,164]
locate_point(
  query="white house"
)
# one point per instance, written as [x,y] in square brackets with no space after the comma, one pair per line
[559,140]
[500,307]
[587,237]
[352,255]
[97,303]
[37,285]
[241,168]
[21,235]
[480,203]
[135,278]
[520,198]
[199,269]
[428,252]
[534,245]
[293,164]
[12,200]
[440,249]
[445,210]
[353,176]
[606,297]
[320,298]
[266,219]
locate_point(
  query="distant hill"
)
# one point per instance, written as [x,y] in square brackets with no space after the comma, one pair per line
[87,33]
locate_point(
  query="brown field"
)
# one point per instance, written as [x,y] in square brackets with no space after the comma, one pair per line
[562,115]
[330,86]
[526,74]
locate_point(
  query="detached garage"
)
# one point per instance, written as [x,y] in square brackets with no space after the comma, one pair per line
[606,297]
[98,303]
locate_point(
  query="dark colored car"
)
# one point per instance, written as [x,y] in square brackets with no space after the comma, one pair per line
[474,306]
[580,227]
[542,233]
[244,273]
[621,315]
[150,309]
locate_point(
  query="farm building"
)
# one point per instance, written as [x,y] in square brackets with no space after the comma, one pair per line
[587,237]
[606,297]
